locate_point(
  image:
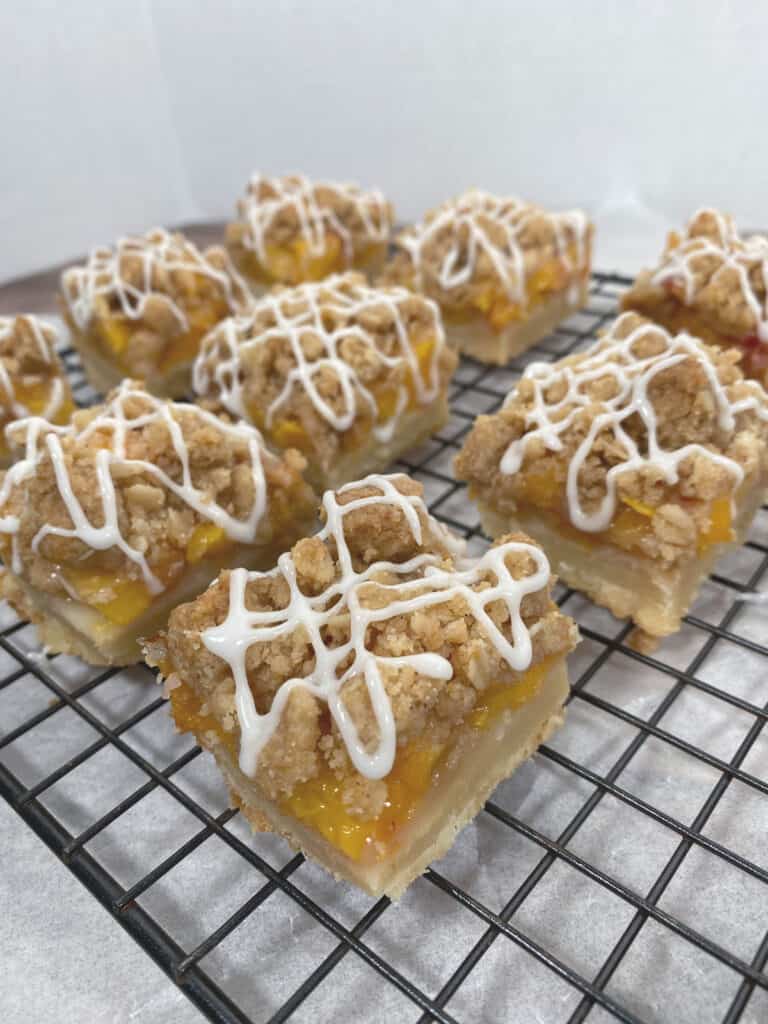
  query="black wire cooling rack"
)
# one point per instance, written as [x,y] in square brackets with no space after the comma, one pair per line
[620,875]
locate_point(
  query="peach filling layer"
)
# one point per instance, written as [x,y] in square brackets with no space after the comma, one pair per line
[114,333]
[35,398]
[295,262]
[499,310]
[289,432]
[632,523]
[123,601]
[318,802]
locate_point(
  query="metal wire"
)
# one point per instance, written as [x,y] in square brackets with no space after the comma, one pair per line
[477,388]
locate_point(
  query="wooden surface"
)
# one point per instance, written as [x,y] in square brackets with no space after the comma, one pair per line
[36,293]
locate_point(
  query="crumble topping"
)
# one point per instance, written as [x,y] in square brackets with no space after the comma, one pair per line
[280,210]
[159,282]
[121,490]
[30,371]
[644,417]
[372,633]
[322,354]
[480,241]
[711,268]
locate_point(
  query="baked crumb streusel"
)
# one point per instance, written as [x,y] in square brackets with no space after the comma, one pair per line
[333,369]
[291,229]
[32,380]
[142,307]
[342,679]
[714,283]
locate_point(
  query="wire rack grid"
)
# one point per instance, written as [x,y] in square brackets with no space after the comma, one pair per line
[620,875]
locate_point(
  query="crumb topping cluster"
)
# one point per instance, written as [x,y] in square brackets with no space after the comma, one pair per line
[369,634]
[122,488]
[31,376]
[642,416]
[479,241]
[327,356]
[279,211]
[710,267]
[161,280]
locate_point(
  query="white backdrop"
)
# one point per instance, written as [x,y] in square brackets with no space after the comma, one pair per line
[118,115]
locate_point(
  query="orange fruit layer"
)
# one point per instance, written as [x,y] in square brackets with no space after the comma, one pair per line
[631,523]
[35,398]
[114,333]
[318,801]
[499,310]
[294,263]
[120,601]
[186,708]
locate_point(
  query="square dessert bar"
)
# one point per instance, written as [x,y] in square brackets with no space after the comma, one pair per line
[110,521]
[351,375]
[140,309]
[290,230]
[634,464]
[365,696]
[32,380]
[503,272]
[714,284]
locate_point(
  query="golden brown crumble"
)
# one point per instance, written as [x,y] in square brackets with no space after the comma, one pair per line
[477,244]
[686,414]
[279,211]
[307,738]
[711,271]
[373,340]
[210,456]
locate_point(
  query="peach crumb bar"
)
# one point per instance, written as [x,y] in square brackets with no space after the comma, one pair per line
[140,309]
[503,272]
[32,379]
[635,464]
[365,696]
[353,376]
[711,282]
[108,522]
[289,230]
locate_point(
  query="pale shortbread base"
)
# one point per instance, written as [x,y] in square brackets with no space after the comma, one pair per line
[66,626]
[475,338]
[103,374]
[630,586]
[479,761]
[413,428]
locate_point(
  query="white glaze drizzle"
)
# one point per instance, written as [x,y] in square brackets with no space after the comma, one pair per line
[613,357]
[43,439]
[45,338]
[432,585]
[159,252]
[298,311]
[300,194]
[462,218]
[735,254]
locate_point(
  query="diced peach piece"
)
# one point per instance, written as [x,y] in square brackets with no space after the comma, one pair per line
[206,538]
